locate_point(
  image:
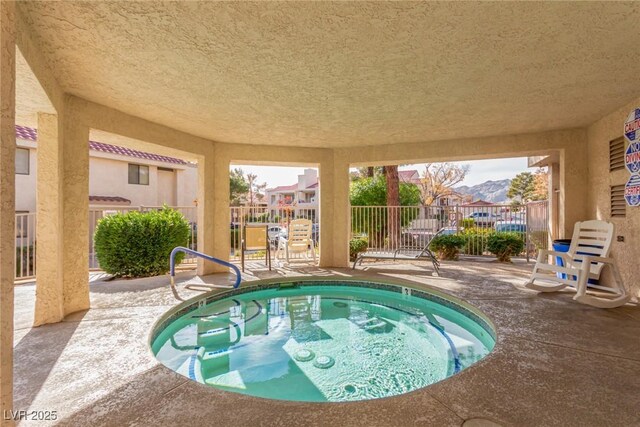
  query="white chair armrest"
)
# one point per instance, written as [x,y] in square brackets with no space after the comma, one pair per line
[554,253]
[593,258]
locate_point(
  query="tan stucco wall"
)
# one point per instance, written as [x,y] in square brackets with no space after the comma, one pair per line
[187,186]
[627,253]
[7,202]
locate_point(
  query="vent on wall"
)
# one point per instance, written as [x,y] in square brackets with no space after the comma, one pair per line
[616,154]
[618,204]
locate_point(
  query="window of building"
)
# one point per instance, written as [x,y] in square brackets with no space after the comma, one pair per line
[22,161]
[138,174]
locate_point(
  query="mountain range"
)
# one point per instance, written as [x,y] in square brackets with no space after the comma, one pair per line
[490,191]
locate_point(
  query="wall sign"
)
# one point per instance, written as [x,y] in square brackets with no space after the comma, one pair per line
[632,158]
[632,190]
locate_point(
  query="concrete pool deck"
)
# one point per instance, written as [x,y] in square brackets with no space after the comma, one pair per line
[556,362]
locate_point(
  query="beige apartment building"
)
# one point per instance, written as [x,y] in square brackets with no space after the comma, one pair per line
[117,176]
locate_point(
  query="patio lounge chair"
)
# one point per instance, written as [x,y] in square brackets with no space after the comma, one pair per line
[298,240]
[587,256]
[403,254]
[256,238]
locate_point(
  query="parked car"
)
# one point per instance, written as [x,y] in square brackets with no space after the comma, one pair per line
[484,219]
[510,226]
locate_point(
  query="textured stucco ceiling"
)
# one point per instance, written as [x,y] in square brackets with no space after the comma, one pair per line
[30,96]
[345,74]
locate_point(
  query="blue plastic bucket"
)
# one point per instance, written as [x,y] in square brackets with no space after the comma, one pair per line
[562,245]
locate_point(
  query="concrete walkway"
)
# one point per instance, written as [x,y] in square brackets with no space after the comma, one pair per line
[556,362]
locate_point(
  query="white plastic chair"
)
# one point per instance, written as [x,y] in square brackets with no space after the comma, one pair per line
[587,256]
[298,239]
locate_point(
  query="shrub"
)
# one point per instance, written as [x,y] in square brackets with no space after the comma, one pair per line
[448,246]
[505,245]
[475,242]
[467,223]
[138,244]
[357,245]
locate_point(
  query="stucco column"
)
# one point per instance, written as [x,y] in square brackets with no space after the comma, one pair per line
[7,201]
[572,199]
[75,213]
[213,209]
[49,256]
[62,282]
[335,215]
[554,191]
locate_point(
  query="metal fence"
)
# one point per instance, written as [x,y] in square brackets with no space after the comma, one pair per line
[388,228]
[277,222]
[25,246]
[385,228]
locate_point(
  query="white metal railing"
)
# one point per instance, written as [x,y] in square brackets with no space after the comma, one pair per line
[277,220]
[387,228]
[25,245]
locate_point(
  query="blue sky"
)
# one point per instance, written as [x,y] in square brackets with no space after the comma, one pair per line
[481,171]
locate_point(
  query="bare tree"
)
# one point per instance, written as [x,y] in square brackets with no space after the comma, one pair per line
[439,179]
[255,190]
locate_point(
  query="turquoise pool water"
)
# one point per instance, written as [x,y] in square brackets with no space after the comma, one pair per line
[323,342]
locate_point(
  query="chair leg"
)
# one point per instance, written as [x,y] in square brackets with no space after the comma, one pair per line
[313,252]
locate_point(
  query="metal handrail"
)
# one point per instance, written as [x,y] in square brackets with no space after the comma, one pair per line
[176,250]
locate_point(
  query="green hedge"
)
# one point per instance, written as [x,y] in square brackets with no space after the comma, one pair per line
[505,245]
[475,241]
[448,246]
[138,244]
[357,245]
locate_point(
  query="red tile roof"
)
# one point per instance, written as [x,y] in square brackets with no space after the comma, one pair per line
[31,134]
[109,199]
[293,187]
[285,187]
[480,203]
[408,176]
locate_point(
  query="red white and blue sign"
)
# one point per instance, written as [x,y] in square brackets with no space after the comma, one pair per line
[632,125]
[632,191]
[632,157]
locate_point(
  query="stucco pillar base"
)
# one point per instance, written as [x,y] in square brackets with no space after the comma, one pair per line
[62,282]
[572,200]
[213,210]
[49,256]
[335,215]
[7,202]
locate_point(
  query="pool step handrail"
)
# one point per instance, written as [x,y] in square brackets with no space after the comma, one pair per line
[178,249]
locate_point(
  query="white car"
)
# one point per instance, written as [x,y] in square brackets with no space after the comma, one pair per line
[274,232]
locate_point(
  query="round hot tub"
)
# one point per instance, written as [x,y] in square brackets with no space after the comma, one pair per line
[322,341]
